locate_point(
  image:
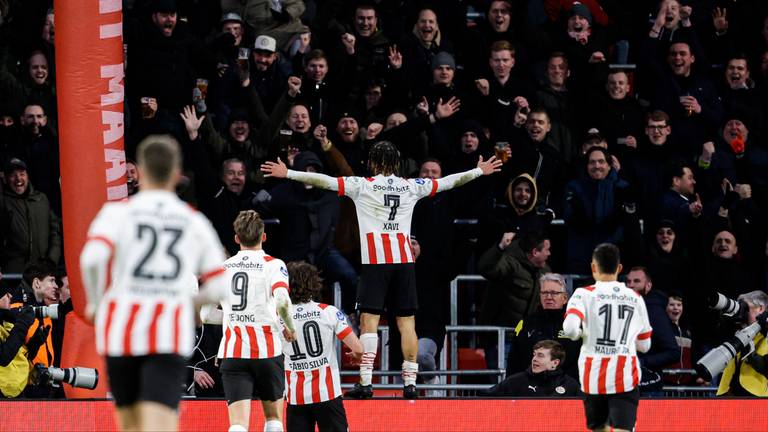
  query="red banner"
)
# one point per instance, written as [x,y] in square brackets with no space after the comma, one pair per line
[89,82]
[465,415]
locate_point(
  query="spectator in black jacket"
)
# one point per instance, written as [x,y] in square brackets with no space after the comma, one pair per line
[664,348]
[39,148]
[533,153]
[308,219]
[544,377]
[269,71]
[545,323]
[165,61]
[644,162]
[687,95]
[617,114]
[680,205]
[666,260]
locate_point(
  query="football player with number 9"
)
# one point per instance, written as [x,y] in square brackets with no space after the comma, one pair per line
[251,349]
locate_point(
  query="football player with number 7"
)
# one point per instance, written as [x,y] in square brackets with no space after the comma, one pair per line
[384,205]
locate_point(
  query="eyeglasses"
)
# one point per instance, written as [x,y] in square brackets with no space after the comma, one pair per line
[658,128]
[551,293]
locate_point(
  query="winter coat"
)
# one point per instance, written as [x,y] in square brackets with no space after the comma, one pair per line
[29,230]
[513,285]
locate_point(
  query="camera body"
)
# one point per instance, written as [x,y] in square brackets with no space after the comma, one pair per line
[80,377]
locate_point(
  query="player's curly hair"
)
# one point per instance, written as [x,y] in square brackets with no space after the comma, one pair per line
[306,282]
[384,159]
[248,227]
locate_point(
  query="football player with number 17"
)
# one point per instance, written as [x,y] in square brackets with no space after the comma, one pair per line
[613,323]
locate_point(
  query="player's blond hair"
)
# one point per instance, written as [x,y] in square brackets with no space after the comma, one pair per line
[249,227]
[159,156]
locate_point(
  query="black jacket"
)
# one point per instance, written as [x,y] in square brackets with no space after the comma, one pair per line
[550,383]
[664,349]
[539,326]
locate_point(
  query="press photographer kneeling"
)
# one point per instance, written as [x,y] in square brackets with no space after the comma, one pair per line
[743,359]
[14,364]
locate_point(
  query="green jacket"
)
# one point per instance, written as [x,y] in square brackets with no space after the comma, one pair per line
[513,285]
[28,230]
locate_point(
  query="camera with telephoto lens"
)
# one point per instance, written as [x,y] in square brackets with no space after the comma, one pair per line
[738,310]
[80,377]
[51,311]
[715,361]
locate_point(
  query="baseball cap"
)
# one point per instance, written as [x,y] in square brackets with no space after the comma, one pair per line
[593,134]
[230,17]
[265,43]
[13,165]
[582,11]
[443,59]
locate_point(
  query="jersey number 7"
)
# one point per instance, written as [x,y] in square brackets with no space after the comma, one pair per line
[393,202]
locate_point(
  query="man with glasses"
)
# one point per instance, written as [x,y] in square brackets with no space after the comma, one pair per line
[545,323]
[644,164]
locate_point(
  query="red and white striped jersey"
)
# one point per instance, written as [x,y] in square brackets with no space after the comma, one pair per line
[153,247]
[613,317]
[384,209]
[251,325]
[311,368]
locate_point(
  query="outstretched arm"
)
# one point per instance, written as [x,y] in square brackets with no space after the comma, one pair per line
[279,170]
[488,167]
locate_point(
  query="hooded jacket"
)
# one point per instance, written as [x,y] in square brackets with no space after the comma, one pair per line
[506,216]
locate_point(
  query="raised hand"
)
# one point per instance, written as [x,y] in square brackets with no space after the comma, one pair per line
[720,20]
[482,86]
[274,169]
[191,121]
[447,109]
[294,86]
[506,240]
[321,134]
[423,106]
[490,166]
[395,58]
[348,40]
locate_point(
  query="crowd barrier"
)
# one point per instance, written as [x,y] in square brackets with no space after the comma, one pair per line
[445,415]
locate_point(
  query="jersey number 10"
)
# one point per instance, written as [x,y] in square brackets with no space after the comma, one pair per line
[312,342]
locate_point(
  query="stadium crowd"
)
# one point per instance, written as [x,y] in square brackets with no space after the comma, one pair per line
[636,123]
